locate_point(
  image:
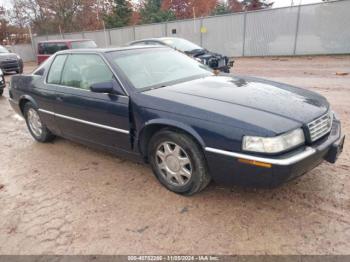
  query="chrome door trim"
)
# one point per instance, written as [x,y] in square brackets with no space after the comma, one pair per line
[85,122]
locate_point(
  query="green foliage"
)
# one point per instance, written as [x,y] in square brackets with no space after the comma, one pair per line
[221,9]
[151,12]
[120,16]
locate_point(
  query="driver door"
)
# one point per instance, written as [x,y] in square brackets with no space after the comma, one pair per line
[97,118]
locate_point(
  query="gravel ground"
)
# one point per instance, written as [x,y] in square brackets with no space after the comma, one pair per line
[64,198]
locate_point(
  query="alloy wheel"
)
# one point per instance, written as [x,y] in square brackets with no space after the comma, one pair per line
[34,122]
[174,164]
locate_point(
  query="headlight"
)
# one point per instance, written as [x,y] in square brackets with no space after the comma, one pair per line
[18,57]
[274,144]
[1,73]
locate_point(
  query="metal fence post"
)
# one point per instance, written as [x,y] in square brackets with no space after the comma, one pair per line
[82,35]
[134,32]
[244,32]
[297,31]
[200,31]
[109,37]
[166,28]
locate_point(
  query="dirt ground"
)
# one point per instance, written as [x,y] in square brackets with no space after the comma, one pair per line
[64,198]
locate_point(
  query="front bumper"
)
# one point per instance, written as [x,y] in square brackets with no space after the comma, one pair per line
[227,68]
[11,66]
[230,168]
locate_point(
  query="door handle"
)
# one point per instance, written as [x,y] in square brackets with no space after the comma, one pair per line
[58,98]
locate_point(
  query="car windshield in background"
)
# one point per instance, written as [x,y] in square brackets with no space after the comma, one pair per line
[83,44]
[3,50]
[154,68]
[181,44]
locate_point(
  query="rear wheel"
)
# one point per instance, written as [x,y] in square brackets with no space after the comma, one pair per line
[178,162]
[1,91]
[36,127]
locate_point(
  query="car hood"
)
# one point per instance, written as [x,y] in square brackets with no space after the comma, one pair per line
[256,102]
[5,56]
[203,53]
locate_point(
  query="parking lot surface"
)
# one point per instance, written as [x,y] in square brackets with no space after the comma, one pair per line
[65,198]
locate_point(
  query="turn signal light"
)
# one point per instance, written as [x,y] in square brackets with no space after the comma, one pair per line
[254,163]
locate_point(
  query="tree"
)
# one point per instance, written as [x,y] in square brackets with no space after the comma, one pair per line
[235,6]
[49,17]
[251,5]
[151,11]
[221,9]
[184,9]
[121,14]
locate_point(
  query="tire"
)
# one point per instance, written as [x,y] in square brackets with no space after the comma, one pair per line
[1,91]
[38,130]
[182,148]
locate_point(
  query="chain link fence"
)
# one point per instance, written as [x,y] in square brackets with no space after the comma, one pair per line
[298,30]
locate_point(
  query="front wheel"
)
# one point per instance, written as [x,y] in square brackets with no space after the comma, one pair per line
[178,162]
[36,127]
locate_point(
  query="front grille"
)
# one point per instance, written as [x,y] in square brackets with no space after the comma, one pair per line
[10,64]
[321,126]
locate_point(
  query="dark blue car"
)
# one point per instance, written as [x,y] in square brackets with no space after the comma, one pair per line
[157,105]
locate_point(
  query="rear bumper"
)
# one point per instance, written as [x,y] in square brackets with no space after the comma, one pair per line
[15,106]
[230,168]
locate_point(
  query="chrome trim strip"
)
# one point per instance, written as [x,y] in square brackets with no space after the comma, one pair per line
[281,162]
[329,120]
[85,122]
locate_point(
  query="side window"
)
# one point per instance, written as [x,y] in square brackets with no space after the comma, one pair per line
[154,43]
[51,48]
[84,70]
[40,71]
[54,76]
[139,43]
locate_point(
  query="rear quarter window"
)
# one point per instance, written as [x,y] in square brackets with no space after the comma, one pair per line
[55,73]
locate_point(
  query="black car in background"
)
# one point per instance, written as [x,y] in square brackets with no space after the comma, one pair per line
[2,82]
[10,62]
[213,60]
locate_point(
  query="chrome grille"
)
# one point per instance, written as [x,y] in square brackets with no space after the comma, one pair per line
[321,126]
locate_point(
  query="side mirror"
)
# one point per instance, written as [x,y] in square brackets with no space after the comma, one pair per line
[110,87]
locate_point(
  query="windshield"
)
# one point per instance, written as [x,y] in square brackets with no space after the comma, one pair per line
[84,44]
[3,50]
[182,45]
[157,67]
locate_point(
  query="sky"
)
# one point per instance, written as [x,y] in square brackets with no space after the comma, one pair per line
[277,3]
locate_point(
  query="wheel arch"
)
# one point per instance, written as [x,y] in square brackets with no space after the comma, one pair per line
[154,126]
[23,100]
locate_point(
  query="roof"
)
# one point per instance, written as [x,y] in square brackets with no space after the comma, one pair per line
[155,39]
[64,40]
[107,50]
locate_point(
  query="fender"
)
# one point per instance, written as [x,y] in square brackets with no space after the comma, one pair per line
[170,123]
[29,98]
